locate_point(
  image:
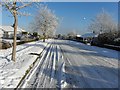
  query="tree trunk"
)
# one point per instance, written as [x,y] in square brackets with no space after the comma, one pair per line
[15,32]
[44,36]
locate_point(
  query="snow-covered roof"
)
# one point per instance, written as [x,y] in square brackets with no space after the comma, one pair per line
[78,35]
[10,29]
[89,34]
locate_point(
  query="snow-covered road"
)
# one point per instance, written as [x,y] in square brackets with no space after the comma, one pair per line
[89,66]
[69,64]
[47,74]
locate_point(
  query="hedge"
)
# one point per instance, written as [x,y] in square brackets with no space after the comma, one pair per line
[22,42]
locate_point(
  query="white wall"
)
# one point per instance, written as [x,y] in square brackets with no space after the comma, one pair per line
[1,33]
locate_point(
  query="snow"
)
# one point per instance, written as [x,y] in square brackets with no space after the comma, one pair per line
[10,40]
[48,73]
[63,64]
[104,51]
[89,66]
[11,72]
[10,29]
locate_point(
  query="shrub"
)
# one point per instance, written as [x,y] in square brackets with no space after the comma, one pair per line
[117,41]
[5,44]
[35,34]
[106,38]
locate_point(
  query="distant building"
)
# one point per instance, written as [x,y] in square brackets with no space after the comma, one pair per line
[78,35]
[88,36]
[1,32]
[8,31]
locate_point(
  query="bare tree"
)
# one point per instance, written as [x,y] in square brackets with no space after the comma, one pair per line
[13,8]
[45,21]
[103,23]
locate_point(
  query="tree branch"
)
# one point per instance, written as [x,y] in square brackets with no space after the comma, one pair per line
[24,14]
[8,7]
[25,5]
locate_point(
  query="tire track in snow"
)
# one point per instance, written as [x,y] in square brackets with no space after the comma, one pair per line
[35,77]
[47,68]
[47,78]
[40,75]
[46,75]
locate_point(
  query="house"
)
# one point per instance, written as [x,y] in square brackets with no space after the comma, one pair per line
[87,37]
[8,31]
[1,32]
[78,37]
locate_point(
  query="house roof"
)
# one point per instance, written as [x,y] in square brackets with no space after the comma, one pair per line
[89,34]
[10,29]
[78,35]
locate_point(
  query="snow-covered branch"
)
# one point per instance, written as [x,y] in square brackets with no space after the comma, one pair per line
[103,22]
[23,6]
[45,21]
